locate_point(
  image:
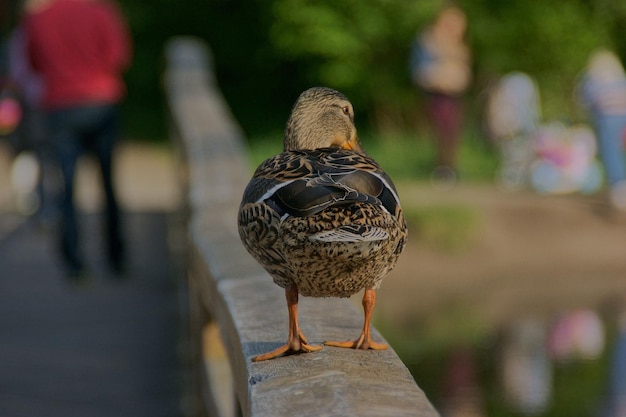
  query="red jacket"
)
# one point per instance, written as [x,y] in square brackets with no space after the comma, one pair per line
[80,48]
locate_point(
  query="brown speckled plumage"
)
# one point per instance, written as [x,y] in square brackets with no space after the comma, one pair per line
[287,248]
[322,217]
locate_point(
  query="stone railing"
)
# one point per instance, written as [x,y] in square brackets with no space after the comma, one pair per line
[230,292]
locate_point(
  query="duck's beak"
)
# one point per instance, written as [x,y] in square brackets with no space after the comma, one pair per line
[353,144]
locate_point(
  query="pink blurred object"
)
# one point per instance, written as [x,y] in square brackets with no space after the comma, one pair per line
[10,115]
[577,335]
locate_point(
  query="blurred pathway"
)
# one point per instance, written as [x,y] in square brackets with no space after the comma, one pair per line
[108,349]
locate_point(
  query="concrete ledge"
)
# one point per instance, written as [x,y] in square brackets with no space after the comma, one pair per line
[227,286]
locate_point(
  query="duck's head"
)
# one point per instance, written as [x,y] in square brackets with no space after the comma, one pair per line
[321,118]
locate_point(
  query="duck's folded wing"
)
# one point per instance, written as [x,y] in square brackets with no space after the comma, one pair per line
[308,196]
[302,183]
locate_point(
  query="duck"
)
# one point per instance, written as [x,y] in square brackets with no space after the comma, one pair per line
[322,217]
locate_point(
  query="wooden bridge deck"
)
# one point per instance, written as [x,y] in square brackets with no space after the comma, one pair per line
[109,349]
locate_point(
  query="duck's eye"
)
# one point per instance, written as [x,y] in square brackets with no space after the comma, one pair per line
[346,110]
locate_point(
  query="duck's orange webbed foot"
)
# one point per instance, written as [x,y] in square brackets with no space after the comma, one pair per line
[362,342]
[365,340]
[296,342]
[298,345]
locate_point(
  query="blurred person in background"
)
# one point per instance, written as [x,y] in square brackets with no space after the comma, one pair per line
[80,48]
[440,66]
[603,92]
[512,118]
[29,138]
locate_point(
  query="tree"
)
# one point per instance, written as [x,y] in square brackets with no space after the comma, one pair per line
[359,47]
[267,51]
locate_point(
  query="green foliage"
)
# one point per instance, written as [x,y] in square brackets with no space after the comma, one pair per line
[268,51]
[548,40]
[450,228]
[360,47]
[402,156]
[151,25]
[263,147]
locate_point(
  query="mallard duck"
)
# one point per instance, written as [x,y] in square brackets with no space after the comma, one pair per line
[322,217]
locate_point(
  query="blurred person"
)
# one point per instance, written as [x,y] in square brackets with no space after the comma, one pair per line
[603,92]
[20,72]
[512,116]
[80,48]
[513,107]
[10,108]
[440,66]
[29,138]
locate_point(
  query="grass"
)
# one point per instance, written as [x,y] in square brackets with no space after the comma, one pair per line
[448,228]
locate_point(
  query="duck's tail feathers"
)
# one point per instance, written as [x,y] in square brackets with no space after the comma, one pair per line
[351,233]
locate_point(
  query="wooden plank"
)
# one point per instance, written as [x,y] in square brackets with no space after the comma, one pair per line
[249,308]
[110,349]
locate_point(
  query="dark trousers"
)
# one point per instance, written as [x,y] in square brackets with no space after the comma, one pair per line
[446,115]
[74,131]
